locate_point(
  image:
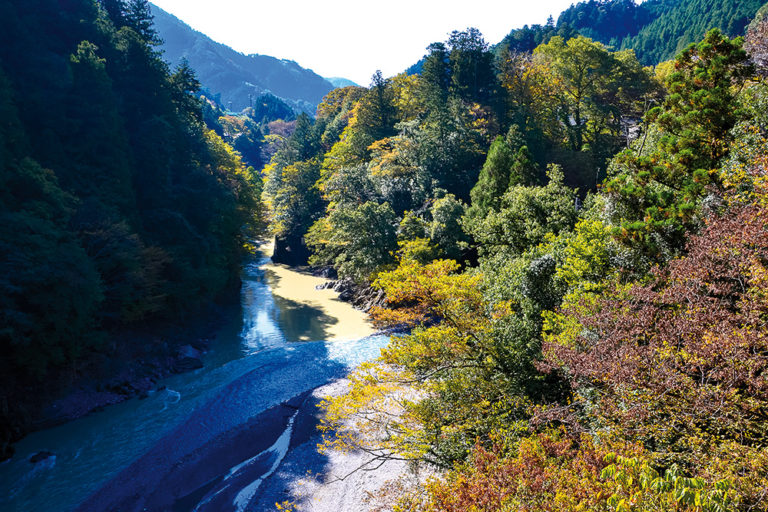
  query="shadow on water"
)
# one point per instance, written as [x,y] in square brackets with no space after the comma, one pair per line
[221,429]
[303,322]
[218,458]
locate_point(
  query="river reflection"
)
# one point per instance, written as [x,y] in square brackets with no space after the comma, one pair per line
[254,363]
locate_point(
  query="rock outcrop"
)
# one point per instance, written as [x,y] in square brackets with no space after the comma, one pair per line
[362,297]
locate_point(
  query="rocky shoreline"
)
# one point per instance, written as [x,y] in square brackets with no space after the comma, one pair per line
[362,297]
[143,359]
[135,380]
[295,254]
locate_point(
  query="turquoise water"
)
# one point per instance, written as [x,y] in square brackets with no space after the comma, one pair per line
[253,364]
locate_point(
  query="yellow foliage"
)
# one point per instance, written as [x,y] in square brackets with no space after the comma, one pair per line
[407,99]
[388,157]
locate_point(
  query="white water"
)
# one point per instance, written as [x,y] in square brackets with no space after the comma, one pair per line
[279,449]
[254,364]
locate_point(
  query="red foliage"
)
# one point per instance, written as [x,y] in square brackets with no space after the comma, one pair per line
[683,361]
[549,472]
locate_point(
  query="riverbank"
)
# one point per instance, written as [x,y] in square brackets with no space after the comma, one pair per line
[140,358]
[273,456]
[332,481]
[287,342]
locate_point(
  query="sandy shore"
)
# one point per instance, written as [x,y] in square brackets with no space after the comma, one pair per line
[310,481]
[345,322]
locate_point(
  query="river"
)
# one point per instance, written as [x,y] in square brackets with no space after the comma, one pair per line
[211,437]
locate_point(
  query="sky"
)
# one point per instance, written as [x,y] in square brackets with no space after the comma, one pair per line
[352,39]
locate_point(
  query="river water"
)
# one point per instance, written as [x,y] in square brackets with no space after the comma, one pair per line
[259,361]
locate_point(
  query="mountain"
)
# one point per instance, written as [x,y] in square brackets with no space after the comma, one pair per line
[342,82]
[655,29]
[238,78]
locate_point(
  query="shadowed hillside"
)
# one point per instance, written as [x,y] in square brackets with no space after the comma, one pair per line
[238,77]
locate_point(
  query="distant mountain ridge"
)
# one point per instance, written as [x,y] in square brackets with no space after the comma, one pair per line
[342,82]
[238,78]
[655,29]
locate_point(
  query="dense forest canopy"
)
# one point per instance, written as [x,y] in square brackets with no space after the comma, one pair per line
[575,244]
[446,156]
[655,29]
[117,204]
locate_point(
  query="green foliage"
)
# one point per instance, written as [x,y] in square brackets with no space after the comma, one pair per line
[50,288]
[269,107]
[525,217]
[452,380]
[451,145]
[527,38]
[117,205]
[570,100]
[461,67]
[589,89]
[376,115]
[588,257]
[508,163]
[395,173]
[655,29]
[297,203]
[659,192]
[445,230]
[558,371]
[357,241]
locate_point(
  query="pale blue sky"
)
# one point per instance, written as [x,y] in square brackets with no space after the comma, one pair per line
[352,39]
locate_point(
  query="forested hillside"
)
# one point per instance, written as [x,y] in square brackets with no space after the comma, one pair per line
[571,246]
[414,151]
[575,246]
[239,79]
[117,205]
[656,29]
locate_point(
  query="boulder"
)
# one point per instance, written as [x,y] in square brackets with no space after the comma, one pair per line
[187,364]
[189,351]
[40,456]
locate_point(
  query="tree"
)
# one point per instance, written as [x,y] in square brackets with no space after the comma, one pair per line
[675,362]
[139,18]
[508,163]
[445,229]
[659,192]
[464,370]
[116,205]
[357,240]
[396,173]
[51,291]
[376,116]
[184,87]
[116,11]
[435,75]
[472,74]
[297,203]
[587,79]
[525,217]
[305,139]
[97,163]
[451,146]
